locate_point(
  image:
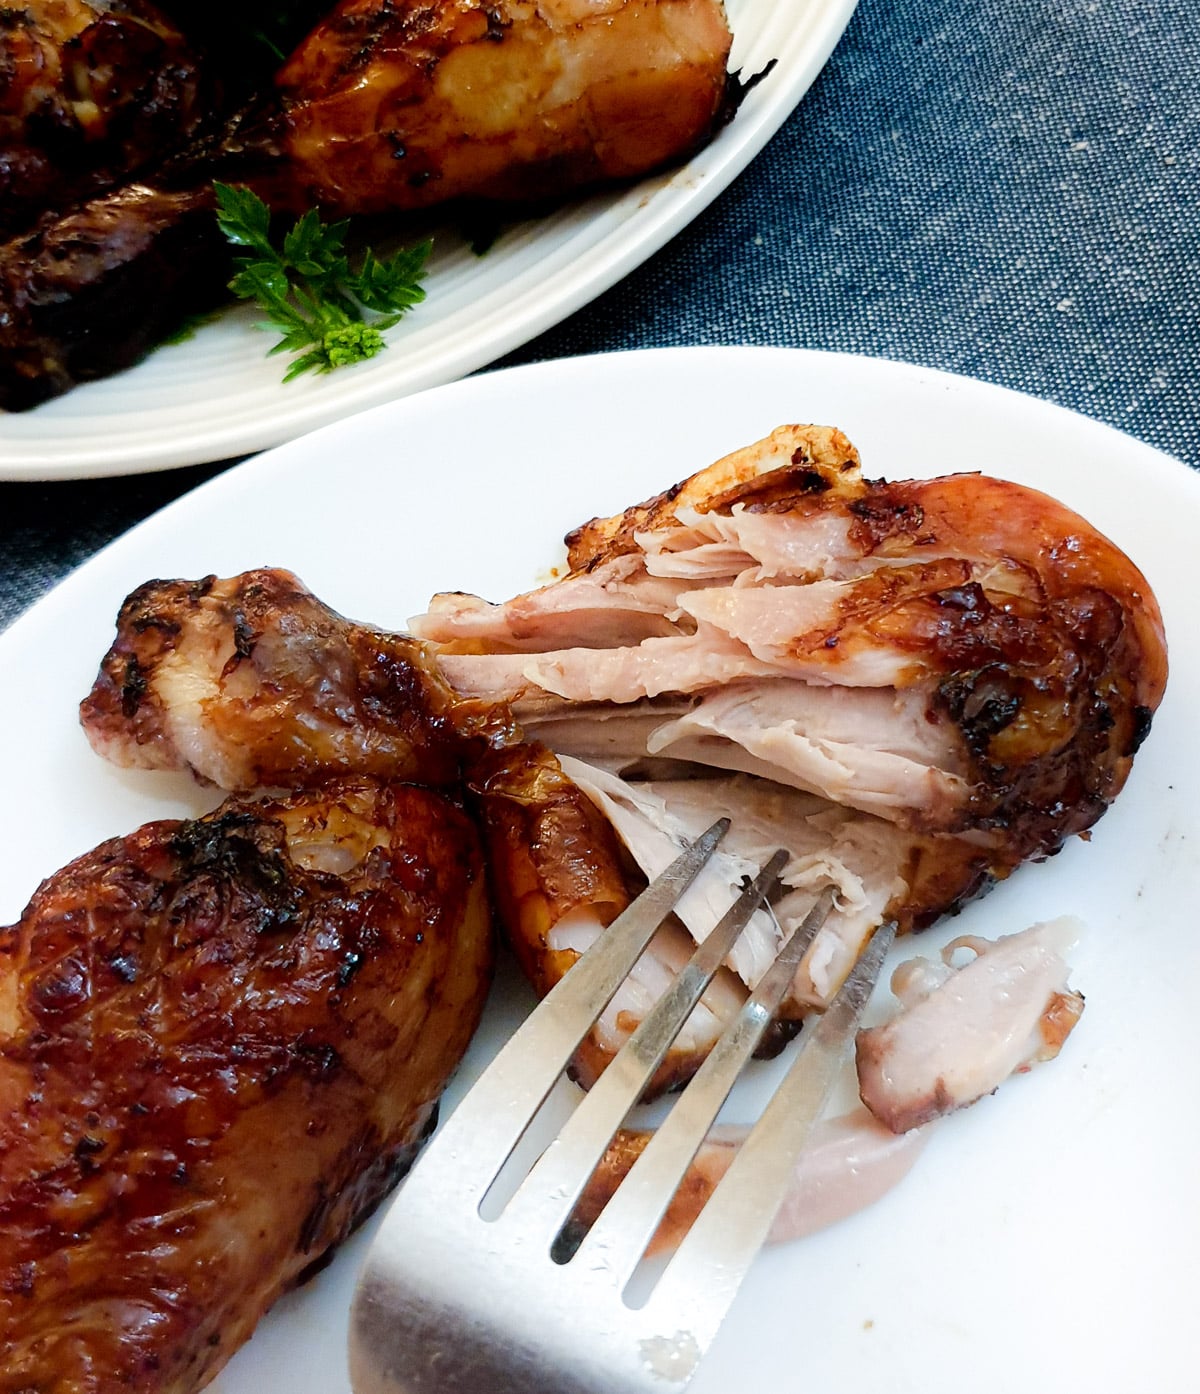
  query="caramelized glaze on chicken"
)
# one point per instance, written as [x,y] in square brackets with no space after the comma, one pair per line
[72,302]
[220,1043]
[252,681]
[393,106]
[386,106]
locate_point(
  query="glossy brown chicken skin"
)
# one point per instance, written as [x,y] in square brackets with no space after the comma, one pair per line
[71,307]
[89,94]
[551,853]
[221,1041]
[1052,678]
[402,105]
[252,681]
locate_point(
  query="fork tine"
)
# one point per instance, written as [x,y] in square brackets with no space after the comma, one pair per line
[548,1195]
[708,1267]
[624,1228]
[451,1300]
[479,1134]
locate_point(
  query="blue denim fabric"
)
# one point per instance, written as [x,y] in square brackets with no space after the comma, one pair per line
[1008,189]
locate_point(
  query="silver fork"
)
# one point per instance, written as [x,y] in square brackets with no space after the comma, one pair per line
[451,1301]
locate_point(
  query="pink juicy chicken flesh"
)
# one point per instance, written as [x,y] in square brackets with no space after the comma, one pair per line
[914,686]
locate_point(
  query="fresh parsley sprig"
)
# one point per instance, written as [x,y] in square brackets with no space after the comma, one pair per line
[309,290]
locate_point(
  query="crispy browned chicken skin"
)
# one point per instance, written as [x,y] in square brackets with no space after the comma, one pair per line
[220,1043]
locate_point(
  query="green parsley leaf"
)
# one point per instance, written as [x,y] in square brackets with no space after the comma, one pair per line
[327,312]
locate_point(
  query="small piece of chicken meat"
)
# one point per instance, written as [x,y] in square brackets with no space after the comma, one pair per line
[252,682]
[221,1042]
[963,1029]
[390,106]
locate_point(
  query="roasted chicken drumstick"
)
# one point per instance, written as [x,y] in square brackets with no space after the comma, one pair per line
[916,686]
[252,682]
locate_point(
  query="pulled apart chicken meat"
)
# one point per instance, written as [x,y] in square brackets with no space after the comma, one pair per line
[220,1043]
[915,686]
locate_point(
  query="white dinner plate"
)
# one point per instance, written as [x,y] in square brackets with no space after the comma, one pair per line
[217,395]
[1048,1237]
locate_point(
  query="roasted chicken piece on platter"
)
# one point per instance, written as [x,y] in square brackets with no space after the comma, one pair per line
[220,1043]
[91,92]
[383,108]
[72,303]
[402,106]
[914,686]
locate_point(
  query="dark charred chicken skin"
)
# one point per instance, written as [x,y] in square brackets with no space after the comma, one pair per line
[220,1043]
[90,93]
[72,303]
[252,681]
[384,107]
